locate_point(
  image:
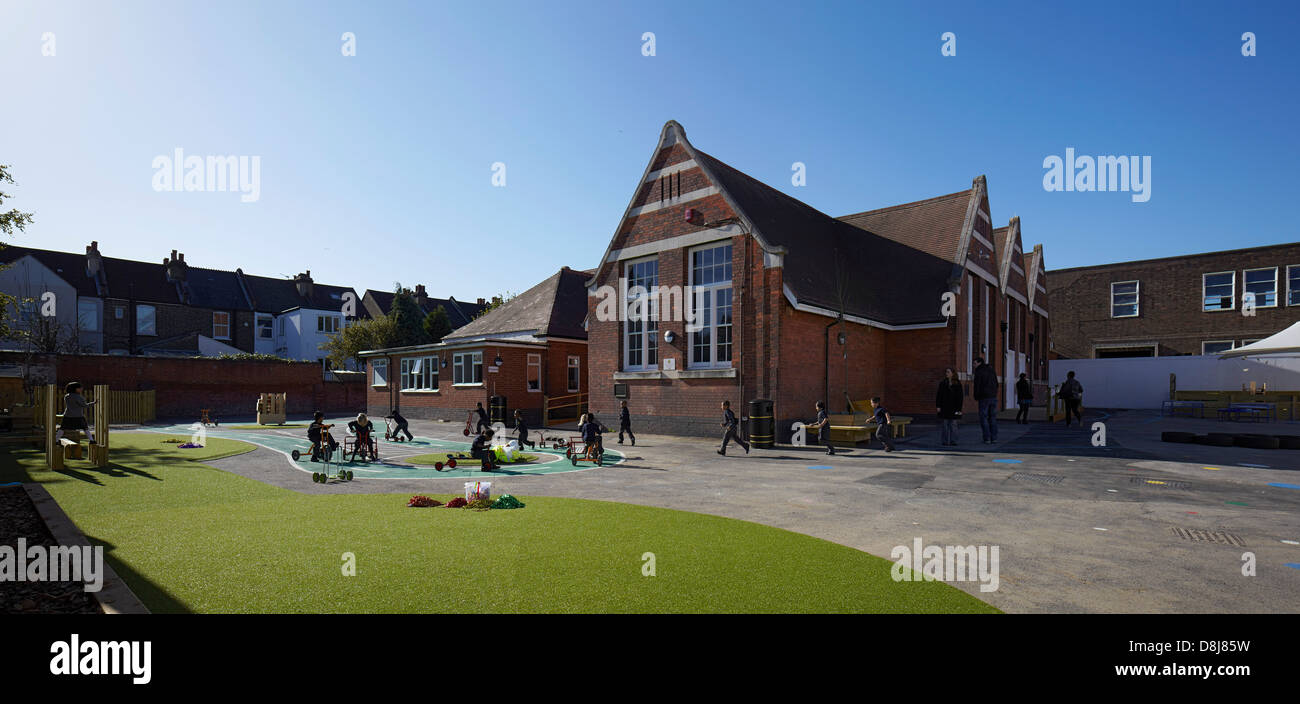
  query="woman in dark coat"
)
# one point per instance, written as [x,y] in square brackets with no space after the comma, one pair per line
[948,402]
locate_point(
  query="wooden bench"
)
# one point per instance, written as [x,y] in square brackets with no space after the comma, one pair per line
[71,449]
[857,427]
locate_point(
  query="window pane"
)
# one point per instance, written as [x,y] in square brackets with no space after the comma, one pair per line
[1219,292]
[87,316]
[1215,347]
[1262,283]
[144,320]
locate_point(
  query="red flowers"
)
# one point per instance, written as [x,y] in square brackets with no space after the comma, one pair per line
[458,502]
[419,501]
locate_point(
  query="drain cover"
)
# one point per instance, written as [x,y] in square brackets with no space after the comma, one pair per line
[1160,483]
[1040,478]
[1197,535]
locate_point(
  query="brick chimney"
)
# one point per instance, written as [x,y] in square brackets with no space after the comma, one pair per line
[421,297]
[176,268]
[304,284]
[482,302]
[94,261]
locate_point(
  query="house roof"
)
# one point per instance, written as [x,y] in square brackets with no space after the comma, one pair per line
[460,314]
[206,288]
[879,278]
[933,225]
[555,307]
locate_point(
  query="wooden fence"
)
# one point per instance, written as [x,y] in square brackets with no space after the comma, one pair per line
[570,406]
[123,406]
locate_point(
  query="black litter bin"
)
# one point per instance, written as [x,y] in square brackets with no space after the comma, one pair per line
[497,409]
[762,427]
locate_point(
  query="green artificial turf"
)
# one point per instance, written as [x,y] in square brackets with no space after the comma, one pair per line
[189,537]
[442,457]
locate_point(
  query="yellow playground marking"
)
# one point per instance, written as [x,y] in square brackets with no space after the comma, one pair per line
[1211,468]
[1152,481]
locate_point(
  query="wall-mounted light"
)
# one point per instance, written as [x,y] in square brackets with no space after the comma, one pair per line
[498,361]
[670,336]
[842,338]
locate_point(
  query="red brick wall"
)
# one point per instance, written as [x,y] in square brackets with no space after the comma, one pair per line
[452,402]
[230,388]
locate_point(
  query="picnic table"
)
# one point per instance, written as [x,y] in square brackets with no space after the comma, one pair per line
[1254,411]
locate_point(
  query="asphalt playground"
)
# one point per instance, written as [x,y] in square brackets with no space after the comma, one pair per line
[1132,526]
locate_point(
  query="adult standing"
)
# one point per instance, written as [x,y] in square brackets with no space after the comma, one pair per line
[1025,398]
[985,391]
[1071,394]
[948,402]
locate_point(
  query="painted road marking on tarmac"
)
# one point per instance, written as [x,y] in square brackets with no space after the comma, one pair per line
[1257,466]
[1100,528]
[1293,565]
[1292,542]
[1237,503]
[1008,461]
[820,466]
[1281,485]
[1212,469]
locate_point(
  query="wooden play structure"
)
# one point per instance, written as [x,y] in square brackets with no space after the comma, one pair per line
[57,449]
[271,409]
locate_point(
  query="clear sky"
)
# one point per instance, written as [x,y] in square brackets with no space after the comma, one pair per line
[377,167]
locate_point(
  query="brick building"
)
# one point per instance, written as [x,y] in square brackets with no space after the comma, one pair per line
[796,305]
[1186,305]
[538,336]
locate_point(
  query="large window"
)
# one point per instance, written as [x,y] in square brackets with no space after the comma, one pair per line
[146,319]
[264,327]
[1124,299]
[575,373]
[467,368]
[1262,283]
[1215,346]
[220,325]
[1293,285]
[327,324]
[87,316]
[534,372]
[1219,290]
[711,306]
[641,329]
[420,374]
[379,370]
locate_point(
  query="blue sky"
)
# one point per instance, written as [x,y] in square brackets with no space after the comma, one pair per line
[377,168]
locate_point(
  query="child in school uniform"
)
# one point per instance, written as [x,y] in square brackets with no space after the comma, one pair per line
[883,429]
[317,432]
[823,426]
[74,412]
[730,427]
[625,424]
[482,450]
[364,431]
[522,429]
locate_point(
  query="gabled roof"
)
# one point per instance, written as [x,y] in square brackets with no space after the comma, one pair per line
[279,295]
[460,314]
[554,308]
[1004,243]
[880,279]
[933,225]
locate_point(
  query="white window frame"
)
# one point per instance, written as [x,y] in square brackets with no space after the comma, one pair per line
[280,326]
[575,362]
[1245,283]
[1233,273]
[1290,290]
[459,368]
[419,374]
[1229,343]
[270,326]
[649,333]
[327,327]
[534,371]
[379,372]
[1250,342]
[153,316]
[92,314]
[215,336]
[1137,298]
[713,289]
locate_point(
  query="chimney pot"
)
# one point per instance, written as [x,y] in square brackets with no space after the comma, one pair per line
[173,254]
[482,302]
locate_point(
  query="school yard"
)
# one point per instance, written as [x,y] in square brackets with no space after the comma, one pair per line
[1136,525]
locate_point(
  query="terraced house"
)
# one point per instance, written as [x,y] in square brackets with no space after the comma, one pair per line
[794,305]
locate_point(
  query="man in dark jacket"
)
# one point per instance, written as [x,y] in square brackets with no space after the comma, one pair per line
[948,402]
[985,391]
[1071,394]
[1025,398]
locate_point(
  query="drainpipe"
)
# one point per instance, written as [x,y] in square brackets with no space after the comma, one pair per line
[826,356]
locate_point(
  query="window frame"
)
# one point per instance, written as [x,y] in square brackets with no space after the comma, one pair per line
[375,375]
[270,326]
[458,368]
[327,328]
[215,336]
[649,332]
[93,314]
[1290,290]
[1137,299]
[714,289]
[153,318]
[1232,273]
[1245,283]
[574,362]
[1231,345]
[426,372]
[534,361]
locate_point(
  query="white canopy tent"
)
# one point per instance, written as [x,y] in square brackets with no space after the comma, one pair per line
[1285,343]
